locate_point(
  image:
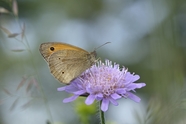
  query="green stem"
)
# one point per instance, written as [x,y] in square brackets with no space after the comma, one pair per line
[102,118]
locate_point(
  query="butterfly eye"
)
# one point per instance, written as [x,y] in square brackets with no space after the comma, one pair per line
[52,48]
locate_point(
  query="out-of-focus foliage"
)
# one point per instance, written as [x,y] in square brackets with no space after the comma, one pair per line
[148,37]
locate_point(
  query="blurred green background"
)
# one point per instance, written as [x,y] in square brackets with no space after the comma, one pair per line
[147,36]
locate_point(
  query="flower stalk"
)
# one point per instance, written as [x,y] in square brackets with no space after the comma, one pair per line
[102,116]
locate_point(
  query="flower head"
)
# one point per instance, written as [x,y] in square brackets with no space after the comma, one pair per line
[104,82]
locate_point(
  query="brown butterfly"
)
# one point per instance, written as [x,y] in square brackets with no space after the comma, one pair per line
[66,62]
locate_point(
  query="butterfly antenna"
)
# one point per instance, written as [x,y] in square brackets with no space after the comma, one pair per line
[101,45]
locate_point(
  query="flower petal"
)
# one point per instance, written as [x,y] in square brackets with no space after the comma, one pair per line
[61,89]
[113,101]
[131,78]
[104,104]
[80,92]
[99,96]
[121,90]
[133,86]
[135,78]
[70,99]
[90,99]
[71,88]
[133,97]
[115,96]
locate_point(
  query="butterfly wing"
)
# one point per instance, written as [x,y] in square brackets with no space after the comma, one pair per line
[47,49]
[65,65]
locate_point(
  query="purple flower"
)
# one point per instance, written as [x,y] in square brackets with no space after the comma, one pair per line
[104,82]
